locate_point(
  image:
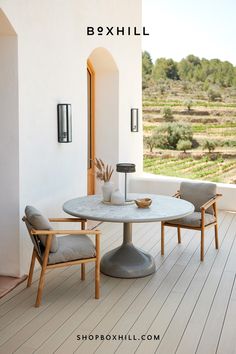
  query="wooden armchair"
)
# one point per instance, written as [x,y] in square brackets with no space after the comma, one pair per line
[75,247]
[204,197]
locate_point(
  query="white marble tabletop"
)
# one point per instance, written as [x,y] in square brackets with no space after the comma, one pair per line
[162,208]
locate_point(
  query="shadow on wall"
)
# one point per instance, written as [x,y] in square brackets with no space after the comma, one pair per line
[9,152]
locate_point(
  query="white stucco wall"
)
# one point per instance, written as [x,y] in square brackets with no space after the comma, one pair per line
[52,57]
[9,151]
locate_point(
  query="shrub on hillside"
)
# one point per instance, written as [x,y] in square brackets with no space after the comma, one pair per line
[167,114]
[188,104]
[214,95]
[184,145]
[177,132]
[209,145]
[168,135]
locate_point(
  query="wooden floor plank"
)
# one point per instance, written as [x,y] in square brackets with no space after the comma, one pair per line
[152,294]
[26,312]
[227,340]
[165,311]
[18,295]
[215,320]
[116,313]
[51,339]
[106,232]
[156,321]
[191,305]
[28,295]
[80,305]
[28,319]
[180,319]
[200,313]
[30,328]
[57,338]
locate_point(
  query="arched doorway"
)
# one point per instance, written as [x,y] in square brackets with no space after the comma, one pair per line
[104,109]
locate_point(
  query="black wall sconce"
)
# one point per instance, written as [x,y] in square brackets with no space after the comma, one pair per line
[64,123]
[134,119]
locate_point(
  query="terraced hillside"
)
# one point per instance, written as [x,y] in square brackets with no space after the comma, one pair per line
[210,121]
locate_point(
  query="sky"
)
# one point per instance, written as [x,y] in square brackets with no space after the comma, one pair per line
[177,28]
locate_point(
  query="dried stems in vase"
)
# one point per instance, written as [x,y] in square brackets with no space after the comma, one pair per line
[104,171]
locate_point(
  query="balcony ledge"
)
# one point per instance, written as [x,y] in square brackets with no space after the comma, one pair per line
[166,185]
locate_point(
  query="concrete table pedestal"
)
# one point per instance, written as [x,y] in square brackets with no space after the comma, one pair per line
[127,261]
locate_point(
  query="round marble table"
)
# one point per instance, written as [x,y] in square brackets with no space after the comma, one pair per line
[127,261]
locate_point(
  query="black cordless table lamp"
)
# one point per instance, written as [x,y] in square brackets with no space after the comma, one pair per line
[125,168]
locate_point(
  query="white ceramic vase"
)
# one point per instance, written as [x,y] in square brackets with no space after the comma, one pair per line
[107,190]
[117,197]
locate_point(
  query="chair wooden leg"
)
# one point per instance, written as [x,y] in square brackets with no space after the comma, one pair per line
[97,268]
[40,288]
[30,277]
[179,235]
[82,271]
[216,226]
[162,238]
[202,246]
[97,280]
[216,237]
[43,271]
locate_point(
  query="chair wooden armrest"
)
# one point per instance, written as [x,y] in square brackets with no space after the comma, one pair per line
[62,232]
[67,220]
[210,202]
[63,220]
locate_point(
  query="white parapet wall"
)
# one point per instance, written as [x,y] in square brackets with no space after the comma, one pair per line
[150,183]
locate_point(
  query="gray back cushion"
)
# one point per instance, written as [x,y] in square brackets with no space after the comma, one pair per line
[34,238]
[198,193]
[39,222]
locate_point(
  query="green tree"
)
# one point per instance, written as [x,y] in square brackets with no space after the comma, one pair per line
[209,145]
[188,66]
[150,142]
[147,67]
[178,131]
[184,145]
[167,114]
[189,69]
[212,71]
[147,64]
[188,104]
[168,135]
[165,69]
[160,136]
[162,89]
[214,95]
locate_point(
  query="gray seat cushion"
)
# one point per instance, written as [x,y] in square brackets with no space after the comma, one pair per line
[193,219]
[39,222]
[71,248]
[198,193]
